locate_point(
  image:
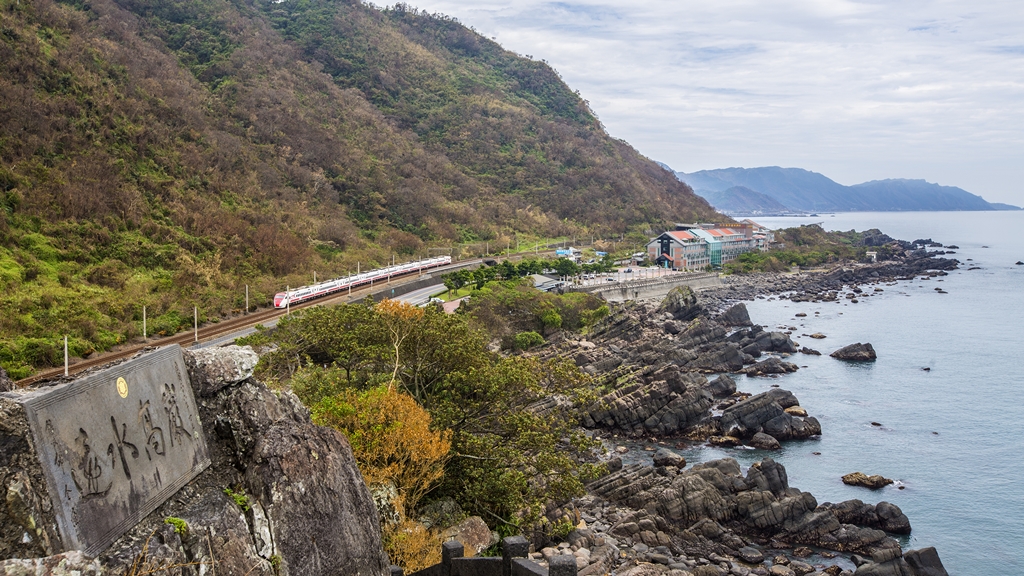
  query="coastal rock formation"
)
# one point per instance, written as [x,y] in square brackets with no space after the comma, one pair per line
[737,315]
[671,404]
[766,412]
[722,386]
[855,353]
[875,481]
[923,562]
[275,522]
[682,304]
[769,366]
[882,516]
[666,457]
[715,501]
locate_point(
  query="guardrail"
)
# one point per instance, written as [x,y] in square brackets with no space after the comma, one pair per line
[514,561]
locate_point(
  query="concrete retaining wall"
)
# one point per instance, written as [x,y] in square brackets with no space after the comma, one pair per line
[652,288]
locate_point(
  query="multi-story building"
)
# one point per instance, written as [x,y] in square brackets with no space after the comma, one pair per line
[699,246]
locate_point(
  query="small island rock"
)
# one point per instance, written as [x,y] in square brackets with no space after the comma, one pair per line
[875,481]
[855,353]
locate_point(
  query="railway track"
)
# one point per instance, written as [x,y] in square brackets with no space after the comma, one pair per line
[222,328]
[238,323]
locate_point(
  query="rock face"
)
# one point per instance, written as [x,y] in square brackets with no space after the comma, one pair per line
[675,402]
[923,562]
[666,457]
[212,369]
[6,384]
[855,353]
[875,481]
[766,412]
[682,304]
[473,533]
[882,516]
[298,504]
[736,316]
[722,386]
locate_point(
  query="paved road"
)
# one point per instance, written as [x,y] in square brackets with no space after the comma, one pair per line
[417,297]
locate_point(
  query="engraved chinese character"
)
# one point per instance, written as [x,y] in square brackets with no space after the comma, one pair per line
[173,412]
[154,434]
[93,475]
[121,442]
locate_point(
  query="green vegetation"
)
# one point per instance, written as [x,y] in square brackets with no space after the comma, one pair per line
[180,526]
[168,153]
[506,460]
[527,340]
[240,498]
[805,246]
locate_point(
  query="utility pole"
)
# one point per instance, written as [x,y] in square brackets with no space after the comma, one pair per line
[246,298]
[195,322]
[65,354]
[287,300]
[143,322]
[314,276]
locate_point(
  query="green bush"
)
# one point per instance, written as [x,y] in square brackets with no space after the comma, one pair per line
[527,340]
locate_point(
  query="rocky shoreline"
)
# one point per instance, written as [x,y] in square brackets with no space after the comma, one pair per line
[667,372]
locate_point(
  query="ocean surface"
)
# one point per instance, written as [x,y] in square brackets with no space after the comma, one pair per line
[952,436]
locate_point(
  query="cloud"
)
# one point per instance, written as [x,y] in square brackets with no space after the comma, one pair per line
[857,90]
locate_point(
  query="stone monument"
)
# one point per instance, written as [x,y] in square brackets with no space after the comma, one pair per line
[111,447]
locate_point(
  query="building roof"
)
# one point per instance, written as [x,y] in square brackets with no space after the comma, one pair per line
[682,235]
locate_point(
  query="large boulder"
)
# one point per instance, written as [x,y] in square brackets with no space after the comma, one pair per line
[212,369]
[473,533]
[737,315]
[6,384]
[924,562]
[681,303]
[855,353]
[769,366]
[722,386]
[666,457]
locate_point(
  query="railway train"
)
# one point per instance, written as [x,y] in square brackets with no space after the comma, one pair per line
[303,293]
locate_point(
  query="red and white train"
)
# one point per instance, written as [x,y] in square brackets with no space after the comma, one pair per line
[285,299]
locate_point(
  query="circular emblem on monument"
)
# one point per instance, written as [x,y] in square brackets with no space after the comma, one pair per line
[122,387]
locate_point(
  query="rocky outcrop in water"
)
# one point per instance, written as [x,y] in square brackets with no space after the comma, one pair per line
[766,412]
[855,353]
[874,481]
[668,516]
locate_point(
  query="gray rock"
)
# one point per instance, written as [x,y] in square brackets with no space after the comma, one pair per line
[764,442]
[882,516]
[681,303]
[722,386]
[750,555]
[666,457]
[211,369]
[855,353]
[771,365]
[737,315]
[925,562]
[6,384]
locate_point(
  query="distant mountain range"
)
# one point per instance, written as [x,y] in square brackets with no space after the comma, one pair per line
[775,190]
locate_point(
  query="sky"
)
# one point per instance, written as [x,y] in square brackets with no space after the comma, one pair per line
[855,90]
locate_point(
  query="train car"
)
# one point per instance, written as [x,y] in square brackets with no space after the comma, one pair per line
[304,293]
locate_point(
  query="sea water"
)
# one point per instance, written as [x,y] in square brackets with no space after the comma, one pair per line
[952,435]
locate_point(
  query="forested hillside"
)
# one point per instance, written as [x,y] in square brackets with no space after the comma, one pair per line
[166,152]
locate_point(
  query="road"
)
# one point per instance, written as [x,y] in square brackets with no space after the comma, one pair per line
[417,297]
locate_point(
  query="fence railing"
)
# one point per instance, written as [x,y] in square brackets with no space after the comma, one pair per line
[514,561]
